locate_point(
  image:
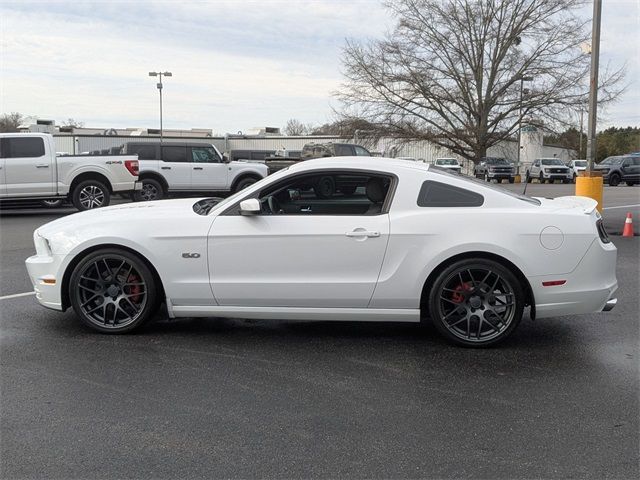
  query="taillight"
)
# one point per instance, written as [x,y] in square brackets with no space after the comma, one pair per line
[602,233]
[133,166]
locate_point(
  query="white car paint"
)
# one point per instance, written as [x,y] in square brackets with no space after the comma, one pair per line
[52,176]
[348,267]
[577,166]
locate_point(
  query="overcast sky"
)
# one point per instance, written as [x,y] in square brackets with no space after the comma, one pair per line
[236,65]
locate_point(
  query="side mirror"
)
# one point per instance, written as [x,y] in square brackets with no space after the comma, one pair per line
[250,206]
[226,158]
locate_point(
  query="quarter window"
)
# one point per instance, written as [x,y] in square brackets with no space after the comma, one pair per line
[362,152]
[437,194]
[144,152]
[27,147]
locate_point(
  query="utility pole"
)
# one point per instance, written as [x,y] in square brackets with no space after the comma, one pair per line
[581,128]
[159,85]
[593,84]
[522,80]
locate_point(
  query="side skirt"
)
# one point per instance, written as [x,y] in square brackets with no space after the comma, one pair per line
[298,313]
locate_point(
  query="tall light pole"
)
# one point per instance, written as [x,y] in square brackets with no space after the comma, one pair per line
[522,80]
[159,85]
[593,84]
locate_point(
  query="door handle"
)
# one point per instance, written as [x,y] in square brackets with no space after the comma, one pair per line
[165,168]
[42,165]
[197,168]
[362,233]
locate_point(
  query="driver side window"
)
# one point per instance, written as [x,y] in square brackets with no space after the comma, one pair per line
[328,193]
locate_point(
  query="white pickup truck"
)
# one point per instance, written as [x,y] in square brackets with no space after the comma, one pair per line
[189,167]
[30,169]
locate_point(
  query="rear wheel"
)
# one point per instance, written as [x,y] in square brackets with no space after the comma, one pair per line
[113,291]
[90,194]
[51,203]
[614,180]
[476,302]
[151,190]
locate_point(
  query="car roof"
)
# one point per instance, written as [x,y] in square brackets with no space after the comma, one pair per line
[374,163]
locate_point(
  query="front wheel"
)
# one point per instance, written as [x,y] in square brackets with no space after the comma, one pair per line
[512,180]
[90,194]
[476,302]
[244,183]
[51,203]
[113,291]
[614,180]
[541,178]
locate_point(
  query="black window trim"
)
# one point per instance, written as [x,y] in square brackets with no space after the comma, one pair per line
[234,209]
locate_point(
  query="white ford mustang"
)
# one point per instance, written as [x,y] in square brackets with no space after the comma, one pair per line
[398,241]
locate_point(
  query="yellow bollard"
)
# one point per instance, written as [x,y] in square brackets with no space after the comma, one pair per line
[589,184]
[518,178]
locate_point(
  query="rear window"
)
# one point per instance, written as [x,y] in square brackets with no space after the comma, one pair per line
[22,147]
[436,194]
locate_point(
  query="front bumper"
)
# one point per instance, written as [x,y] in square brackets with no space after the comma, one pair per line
[42,270]
[558,176]
[500,175]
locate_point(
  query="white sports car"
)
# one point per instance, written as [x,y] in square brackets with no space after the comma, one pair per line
[401,243]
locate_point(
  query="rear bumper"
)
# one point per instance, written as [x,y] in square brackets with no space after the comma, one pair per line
[590,288]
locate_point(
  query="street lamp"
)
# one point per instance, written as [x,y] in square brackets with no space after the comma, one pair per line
[159,85]
[522,80]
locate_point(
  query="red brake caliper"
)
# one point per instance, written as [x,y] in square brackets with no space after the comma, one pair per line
[136,290]
[458,296]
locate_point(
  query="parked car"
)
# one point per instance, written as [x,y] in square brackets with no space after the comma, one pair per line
[189,167]
[495,168]
[549,169]
[622,168]
[413,244]
[450,164]
[30,169]
[577,166]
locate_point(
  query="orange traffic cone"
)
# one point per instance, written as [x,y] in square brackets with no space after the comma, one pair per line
[628,226]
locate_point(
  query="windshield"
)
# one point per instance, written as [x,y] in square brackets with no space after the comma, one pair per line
[524,198]
[497,161]
[446,161]
[580,163]
[552,161]
[611,161]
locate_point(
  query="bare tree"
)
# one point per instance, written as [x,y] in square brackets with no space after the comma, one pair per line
[295,127]
[70,122]
[9,122]
[453,71]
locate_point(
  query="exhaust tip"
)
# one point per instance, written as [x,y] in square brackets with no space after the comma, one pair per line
[610,304]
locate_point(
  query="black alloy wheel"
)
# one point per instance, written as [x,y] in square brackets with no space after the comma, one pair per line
[113,291]
[151,190]
[476,303]
[614,180]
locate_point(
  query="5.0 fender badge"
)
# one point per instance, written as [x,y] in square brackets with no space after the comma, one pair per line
[190,255]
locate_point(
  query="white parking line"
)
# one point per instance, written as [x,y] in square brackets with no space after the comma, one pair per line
[622,206]
[17,295]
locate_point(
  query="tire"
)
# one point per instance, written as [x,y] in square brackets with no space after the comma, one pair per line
[464,291]
[541,178]
[566,181]
[630,184]
[90,194]
[512,180]
[51,203]
[109,277]
[325,187]
[244,183]
[348,191]
[614,180]
[151,190]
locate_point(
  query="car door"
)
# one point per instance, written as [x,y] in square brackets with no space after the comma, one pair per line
[632,171]
[175,166]
[209,172]
[28,168]
[330,258]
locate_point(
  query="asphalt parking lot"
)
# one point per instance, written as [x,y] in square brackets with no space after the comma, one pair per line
[247,399]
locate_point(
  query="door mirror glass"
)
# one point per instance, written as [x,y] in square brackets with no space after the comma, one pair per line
[250,206]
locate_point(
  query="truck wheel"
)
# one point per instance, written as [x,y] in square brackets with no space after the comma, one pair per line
[151,190]
[512,180]
[244,183]
[541,178]
[90,194]
[614,180]
[630,184]
[325,187]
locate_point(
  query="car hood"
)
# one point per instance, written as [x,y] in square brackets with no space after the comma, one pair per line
[127,213]
[584,205]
